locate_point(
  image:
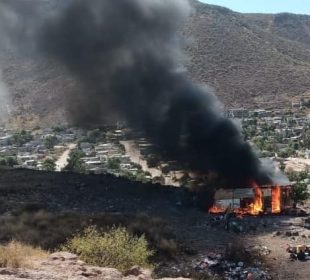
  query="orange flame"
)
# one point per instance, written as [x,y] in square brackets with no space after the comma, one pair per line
[276,200]
[256,207]
[216,210]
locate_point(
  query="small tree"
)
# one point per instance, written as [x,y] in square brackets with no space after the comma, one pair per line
[21,138]
[159,180]
[141,176]
[58,129]
[114,163]
[8,161]
[2,162]
[11,161]
[50,142]
[300,192]
[49,165]
[75,164]
[300,189]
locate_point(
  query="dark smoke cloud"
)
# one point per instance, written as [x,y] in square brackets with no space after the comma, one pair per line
[19,24]
[127,55]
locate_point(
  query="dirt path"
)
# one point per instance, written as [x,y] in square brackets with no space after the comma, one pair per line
[63,159]
[133,152]
[290,232]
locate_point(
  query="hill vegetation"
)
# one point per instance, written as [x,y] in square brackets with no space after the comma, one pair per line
[251,60]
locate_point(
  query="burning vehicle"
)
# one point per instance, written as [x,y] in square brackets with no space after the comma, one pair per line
[253,200]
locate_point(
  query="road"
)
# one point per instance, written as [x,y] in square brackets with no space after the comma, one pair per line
[63,159]
[133,152]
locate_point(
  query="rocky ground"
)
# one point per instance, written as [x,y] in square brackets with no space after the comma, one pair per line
[254,247]
[66,266]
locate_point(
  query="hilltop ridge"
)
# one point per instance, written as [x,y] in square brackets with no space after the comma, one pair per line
[251,61]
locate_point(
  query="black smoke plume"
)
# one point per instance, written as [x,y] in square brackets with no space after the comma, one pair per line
[127,55]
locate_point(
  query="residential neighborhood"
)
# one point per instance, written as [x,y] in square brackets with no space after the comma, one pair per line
[285,139]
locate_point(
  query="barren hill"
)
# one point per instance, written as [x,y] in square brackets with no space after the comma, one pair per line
[251,60]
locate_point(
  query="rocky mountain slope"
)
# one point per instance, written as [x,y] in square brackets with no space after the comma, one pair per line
[251,60]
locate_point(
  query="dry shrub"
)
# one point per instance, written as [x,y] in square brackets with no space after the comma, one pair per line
[42,229]
[50,230]
[157,232]
[116,248]
[18,255]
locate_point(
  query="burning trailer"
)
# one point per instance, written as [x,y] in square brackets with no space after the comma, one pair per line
[255,200]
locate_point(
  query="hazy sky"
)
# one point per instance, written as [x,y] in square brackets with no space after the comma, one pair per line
[264,6]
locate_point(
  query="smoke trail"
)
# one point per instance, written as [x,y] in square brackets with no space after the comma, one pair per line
[17,32]
[127,55]
[5,101]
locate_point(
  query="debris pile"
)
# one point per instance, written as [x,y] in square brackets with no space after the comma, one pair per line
[217,265]
[300,252]
[258,250]
[246,224]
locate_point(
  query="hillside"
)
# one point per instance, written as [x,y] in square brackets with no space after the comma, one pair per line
[44,209]
[251,60]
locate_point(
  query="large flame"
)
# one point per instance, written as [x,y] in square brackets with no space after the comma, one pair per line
[276,200]
[256,207]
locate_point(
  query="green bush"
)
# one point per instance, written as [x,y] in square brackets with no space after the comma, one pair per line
[8,161]
[116,248]
[49,165]
[50,142]
[114,163]
[300,192]
[21,138]
[75,164]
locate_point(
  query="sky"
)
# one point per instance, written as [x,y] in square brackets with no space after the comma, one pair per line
[264,6]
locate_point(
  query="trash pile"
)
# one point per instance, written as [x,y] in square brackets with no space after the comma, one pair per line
[216,263]
[258,250]
[300,252]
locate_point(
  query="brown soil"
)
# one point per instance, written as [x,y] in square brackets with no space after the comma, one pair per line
[192,229]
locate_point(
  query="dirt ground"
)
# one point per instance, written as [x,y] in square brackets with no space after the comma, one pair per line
[278,241]
[191,227]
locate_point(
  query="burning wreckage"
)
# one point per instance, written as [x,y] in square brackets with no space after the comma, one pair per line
[254,200]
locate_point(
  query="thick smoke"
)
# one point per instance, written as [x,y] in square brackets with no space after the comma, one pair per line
[127,54]
[5,101]
[19,23]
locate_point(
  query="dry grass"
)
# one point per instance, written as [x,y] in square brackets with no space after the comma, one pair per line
[18,255]
[49,230]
